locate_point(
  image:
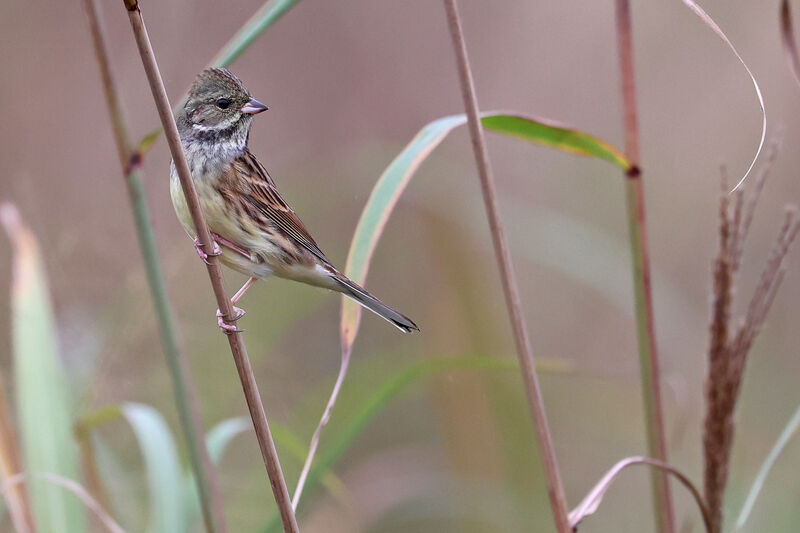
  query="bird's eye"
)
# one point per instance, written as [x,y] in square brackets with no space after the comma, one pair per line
[223,103]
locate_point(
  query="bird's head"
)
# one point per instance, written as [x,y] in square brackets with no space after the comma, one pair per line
[219,107]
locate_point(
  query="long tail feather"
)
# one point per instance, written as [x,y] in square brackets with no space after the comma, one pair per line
[360,295]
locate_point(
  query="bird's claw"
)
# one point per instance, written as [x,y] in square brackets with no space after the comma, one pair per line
[229,327]
[205,255]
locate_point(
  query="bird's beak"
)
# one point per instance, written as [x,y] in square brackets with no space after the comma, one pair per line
[253,107]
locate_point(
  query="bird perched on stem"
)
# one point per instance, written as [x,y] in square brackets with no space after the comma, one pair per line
[254,229]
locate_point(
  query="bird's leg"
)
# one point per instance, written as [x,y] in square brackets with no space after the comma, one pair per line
[243,290]
[229,327]
[203,254]
[228,244]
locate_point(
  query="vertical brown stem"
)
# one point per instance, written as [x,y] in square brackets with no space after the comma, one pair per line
[645,327]
[185,397]
[555,488]
[237,346]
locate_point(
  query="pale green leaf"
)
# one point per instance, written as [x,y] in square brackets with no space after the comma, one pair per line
[262,19]
[164,475]
[395,178]
[217,441]
[789,431]
[43,396]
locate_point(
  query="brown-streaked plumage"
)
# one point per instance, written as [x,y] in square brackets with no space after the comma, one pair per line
[257,232]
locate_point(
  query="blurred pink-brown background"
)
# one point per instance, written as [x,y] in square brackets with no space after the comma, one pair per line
[349,83]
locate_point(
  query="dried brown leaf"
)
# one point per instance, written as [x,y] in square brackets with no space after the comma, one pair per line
[591,502]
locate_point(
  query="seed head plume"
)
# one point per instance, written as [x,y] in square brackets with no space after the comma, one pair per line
[729,345]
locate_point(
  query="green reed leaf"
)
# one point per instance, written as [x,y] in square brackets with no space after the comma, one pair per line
[395,178]
[43,396]
[266,16]
[218,439]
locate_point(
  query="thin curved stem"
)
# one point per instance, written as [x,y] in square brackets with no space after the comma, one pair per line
[323,421]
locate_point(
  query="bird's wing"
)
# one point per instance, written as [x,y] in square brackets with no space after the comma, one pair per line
[264,196]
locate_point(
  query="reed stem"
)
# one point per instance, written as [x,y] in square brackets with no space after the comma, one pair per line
[235,340]
[185,397]
[643,293]
[555,487]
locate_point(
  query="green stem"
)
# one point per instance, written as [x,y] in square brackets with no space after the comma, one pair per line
[188,410]
[643,294]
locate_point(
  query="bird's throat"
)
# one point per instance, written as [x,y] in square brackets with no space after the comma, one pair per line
[210,150]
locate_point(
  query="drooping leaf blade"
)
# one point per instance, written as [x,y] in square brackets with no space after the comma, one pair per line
[43,396]
[591,502]
[217,441]
[708,21]
[164,475]
[395,178]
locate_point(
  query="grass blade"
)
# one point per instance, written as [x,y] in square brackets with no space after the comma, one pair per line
[395,178]
[377,401]
[789,431]
[591,502]
[42,392]
[164,476]
[390,186]
[548,133]
[295,447]
[708,21]
[266,16]
[79,492]
[223,433]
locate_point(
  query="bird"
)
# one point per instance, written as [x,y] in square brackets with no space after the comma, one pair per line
[254,229]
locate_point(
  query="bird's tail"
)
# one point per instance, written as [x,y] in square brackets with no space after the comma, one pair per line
[360,295]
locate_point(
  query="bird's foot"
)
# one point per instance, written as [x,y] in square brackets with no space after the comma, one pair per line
[205,255]
[229,326]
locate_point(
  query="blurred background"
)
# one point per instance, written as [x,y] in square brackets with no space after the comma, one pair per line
[348,84]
